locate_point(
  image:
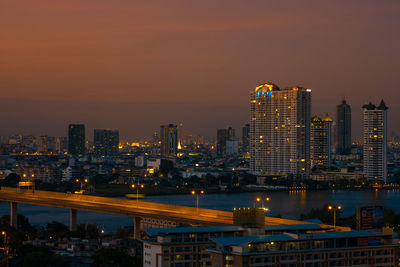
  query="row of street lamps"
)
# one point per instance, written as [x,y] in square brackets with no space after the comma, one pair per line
[258,200]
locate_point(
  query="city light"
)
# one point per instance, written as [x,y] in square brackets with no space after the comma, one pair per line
[173,101]
[197,193]
[137,186]
[334,208]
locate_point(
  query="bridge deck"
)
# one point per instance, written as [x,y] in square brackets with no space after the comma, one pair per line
[132,208]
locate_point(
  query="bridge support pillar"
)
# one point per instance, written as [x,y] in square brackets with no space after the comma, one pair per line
[13,214]
[136,227]
[72,219]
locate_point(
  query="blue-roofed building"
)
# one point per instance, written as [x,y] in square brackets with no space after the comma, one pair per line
[351,248]
[193,246]
[183,246]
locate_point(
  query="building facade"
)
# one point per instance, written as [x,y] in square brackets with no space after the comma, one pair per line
[280,131]
[353,248]
[106,142]
[321,142]
[343,128]
[246,138]
[169,139]
[76,139]
[222,136]
[43,144]
[375,141]
[232,147]
[61,145]
[182,246]
[270,245]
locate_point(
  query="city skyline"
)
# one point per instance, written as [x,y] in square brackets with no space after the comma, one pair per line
[141,71]
[199,133]
[61,131]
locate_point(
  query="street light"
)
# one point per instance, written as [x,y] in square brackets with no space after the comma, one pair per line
[334,208]
[137,191]
[83,181]
[260,200]
[4,233]
[197,193]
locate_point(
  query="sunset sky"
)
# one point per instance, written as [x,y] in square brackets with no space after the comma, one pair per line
[133,65]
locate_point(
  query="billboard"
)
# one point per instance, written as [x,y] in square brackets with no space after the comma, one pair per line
[249,217]
[369,217]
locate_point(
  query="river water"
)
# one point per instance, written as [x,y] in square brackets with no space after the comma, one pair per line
[287,204]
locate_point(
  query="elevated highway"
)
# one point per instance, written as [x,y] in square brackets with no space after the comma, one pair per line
[135,208]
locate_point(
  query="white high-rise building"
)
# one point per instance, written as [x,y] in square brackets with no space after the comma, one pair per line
[375,142]
[280,131]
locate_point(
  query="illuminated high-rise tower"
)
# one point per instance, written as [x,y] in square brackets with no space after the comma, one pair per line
[106,142]
[224,136]
[280,131]
[343,128]
[169,139]
[321,142]
[76,139]
[375,142]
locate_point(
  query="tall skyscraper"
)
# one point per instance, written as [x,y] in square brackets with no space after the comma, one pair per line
[343,129]
[76,139]
[232,147]
[280,131]
[156,138]
[106,142]
[222,136]
[43,144]
[231,133]
[246,138]
[169,139]
[375,142]
[321,142]
[61,145]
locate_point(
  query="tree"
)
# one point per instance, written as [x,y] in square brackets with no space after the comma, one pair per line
[92,231]
[15,236]
[89,231]
[57,230]
[30,256]
[211,179]
[324,214]
[11,180]
[166,166]
[114,257]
